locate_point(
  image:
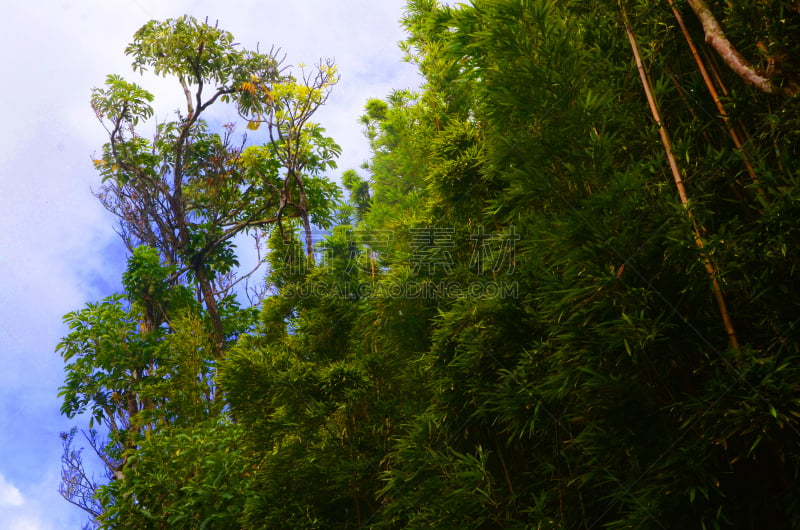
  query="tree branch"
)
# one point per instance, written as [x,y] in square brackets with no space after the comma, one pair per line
[715,37]
[188,94]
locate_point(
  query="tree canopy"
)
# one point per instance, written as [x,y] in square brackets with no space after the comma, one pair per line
[561,293]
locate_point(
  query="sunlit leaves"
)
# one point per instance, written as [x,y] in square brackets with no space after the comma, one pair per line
[103,351]
[190,190]
[121,102]
[184,47]
[192,477]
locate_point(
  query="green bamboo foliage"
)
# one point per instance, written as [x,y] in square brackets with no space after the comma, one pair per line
[593,387]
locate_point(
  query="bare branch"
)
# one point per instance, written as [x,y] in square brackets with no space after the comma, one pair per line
[76,486]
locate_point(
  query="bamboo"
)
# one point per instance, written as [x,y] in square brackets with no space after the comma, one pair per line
[676,174]
[713,62]
[711,59]
[737,141]
[713,65]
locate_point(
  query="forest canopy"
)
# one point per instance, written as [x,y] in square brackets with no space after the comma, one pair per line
[561,293]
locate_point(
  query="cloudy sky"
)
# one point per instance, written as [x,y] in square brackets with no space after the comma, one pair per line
[57,247]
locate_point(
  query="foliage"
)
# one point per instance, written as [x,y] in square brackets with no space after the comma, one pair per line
[517,322]
[193,477]
[143,363]
[190,190]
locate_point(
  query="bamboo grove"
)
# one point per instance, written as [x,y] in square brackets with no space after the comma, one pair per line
[562,293]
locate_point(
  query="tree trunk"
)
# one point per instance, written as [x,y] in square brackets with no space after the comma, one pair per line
[213,310]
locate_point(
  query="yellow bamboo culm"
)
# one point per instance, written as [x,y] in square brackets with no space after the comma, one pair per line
[676,174]
[737,141]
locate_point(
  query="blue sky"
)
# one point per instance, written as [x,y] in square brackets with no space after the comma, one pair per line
[57,246]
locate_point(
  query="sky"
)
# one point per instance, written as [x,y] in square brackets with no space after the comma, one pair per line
[58,249]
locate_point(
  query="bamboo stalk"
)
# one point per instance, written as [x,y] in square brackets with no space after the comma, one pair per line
[712,61]
[676,174]
[737,141]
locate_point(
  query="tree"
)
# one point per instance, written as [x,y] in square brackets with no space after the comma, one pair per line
[359,192]
[143,363]
[190,191]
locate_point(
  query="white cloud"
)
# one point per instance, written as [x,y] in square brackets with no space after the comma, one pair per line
[17,512]
[23,522]
[38,506]
[9,494]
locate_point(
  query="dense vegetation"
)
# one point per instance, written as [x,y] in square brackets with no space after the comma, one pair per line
[563,292]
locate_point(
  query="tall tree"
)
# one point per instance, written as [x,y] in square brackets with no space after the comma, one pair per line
[144,363]
[190,191]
